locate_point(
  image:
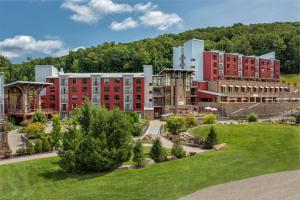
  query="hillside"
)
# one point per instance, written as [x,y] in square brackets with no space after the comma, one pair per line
[253,39]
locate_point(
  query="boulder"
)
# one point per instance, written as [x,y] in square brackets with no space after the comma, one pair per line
[150,161]
[219,146]
[192,153]
[171,158]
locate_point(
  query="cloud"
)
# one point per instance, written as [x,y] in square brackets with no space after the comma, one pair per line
[91,11]
[160,20]
[127,23]
[23,44]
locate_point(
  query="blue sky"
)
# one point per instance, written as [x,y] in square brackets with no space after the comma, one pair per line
[39,28]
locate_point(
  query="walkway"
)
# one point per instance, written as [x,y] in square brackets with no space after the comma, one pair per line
[14,140]
[168,144]
[25,158]
[277,186]
[154,128]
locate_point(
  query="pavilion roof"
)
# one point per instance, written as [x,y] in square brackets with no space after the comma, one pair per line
[27,83]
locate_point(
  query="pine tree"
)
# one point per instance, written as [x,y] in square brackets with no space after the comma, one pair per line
[157,152]
[45,145]
[138,154]
[177,150]
[38,147]
[211,138]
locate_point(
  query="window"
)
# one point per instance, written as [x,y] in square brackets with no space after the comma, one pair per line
[234,59]
[215,57]
[228,66]
[262,62]
[128,81]
[117,80]
[52,97]
[84,81]
[74,89]
[106,89]
[246,60]
[74,97]
[106,97]
[84,89]
[150,92]
[138,81]
[138,88]
[116,89]
[117,105]
[228,59]
[138,105]
[74,80]
[64,90]
[52,105]
[106,80]
[150,100]
[150,84]
[215,64]
[63,81]
[128,90]
[52,89]
[138,97]
[96,80]
[96,90]
[64,106]
[128,98]
[73,106]
[252,61]
[215,72]
[51,80]
[96,98]
[117,97]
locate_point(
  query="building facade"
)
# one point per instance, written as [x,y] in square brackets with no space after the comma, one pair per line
[1,95]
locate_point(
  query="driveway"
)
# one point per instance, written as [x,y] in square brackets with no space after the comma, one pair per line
[277,186]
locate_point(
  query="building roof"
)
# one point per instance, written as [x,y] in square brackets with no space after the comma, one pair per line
[175,70]
[212,93]
[104,75]
[32,83]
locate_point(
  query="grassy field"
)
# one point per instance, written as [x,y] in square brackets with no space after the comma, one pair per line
[290,78]
[252,150]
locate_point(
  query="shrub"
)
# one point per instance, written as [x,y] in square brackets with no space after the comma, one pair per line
[177,150]
[157,152]
[298,118]
[21,151]
[211,138]
[292,119]
[175,124]
[209,119]
[68,160]
[10,126]
[56,133]
[138,154]
[39,117]
[38,146]
[30,148]
[137,130]
[295,83]
[252,117]
[26,122]
[191,121]
[34,130]
[45,144]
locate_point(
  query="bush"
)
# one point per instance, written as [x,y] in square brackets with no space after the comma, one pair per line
[175,124]
[11,126]
[252,117]
[34,130]
[178,151]
[26,122]
[39,117]
[21,151]
[30,148]
[292,119]
[157,152]
[45,144]
[138,154]
[209,119]
[38,146]
[137,130]
[191,121]
[211,138]
[56,133]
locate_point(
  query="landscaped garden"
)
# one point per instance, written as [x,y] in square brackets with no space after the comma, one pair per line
[252,149]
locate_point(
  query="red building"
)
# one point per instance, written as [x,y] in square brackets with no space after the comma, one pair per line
[211,61]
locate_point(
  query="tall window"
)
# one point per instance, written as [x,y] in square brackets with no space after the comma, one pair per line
[84,80]
[106,80]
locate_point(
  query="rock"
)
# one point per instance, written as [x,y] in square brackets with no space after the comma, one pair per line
[219,146]
[123,167]
[171,158]
[192,153]
[150,161]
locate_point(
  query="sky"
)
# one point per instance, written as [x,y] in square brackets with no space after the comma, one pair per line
[40,28]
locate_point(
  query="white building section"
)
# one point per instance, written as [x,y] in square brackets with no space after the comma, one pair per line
[42,72]
[178,58]
[148,98]
[270,55]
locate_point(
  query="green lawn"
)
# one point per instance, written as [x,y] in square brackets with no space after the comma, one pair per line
[253,150]
[290,78]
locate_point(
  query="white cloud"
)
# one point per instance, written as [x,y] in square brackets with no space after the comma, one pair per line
[24,44]
[127,23]
[160,20]
[145,7]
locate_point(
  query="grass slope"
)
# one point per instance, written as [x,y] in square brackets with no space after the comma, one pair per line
[290,78]
[253,150]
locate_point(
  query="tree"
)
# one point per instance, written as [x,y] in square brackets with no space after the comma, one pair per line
[157,152]
[38,146]
[104,146]
[209,119]
[252,117]
[191,121]
[211,138]
[177,150]
[30,148]
[45,145]
[138,154]
[39,117]
[56,133]
[84,115]
[175,124]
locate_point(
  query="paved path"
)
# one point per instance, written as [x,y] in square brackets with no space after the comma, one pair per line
[154,128]
[277,186]
[14,140]
[25,158]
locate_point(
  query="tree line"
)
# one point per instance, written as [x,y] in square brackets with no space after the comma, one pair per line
[253,39]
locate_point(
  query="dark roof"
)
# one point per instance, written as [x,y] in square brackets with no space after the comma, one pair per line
[18,83]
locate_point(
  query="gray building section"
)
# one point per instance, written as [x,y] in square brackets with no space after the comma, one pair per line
[148,98]
[42,72]
[128,92]
[1,95]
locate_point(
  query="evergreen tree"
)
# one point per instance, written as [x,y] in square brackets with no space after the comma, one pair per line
[177,150]
[45,144]
[56,133]
[157,152]
[138,154]
[38,146]
[211,138]
[30,148]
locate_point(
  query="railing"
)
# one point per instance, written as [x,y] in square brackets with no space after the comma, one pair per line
[30,110]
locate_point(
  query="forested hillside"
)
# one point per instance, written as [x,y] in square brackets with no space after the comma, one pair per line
[254,39]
